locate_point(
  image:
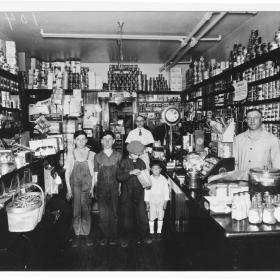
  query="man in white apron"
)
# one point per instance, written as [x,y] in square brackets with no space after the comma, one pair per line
[144,136]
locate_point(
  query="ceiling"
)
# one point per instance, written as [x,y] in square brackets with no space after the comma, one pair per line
[24,28]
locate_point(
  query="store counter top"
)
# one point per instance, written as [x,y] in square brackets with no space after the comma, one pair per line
[231,228]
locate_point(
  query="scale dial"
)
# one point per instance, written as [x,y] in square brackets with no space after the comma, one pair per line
[171,115]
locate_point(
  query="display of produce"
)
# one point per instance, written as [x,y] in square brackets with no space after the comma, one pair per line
[26,201]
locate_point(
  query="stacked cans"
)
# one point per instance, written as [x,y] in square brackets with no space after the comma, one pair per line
[261,71]
[271,111]
[124,77]
[264,91]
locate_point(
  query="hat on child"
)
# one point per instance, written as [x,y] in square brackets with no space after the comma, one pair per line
[135,147]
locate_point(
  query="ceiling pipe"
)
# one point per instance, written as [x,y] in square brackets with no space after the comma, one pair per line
[207,16]
[194,41]
[113,36]
[219,38]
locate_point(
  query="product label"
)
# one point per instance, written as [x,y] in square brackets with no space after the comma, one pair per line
[240,90]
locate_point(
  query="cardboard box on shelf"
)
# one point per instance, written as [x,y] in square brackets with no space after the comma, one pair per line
[91,80]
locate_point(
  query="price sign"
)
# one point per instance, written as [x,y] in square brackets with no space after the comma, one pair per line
[240,90]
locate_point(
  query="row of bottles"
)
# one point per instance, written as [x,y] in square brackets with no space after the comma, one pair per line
[265,209]
[240,206]
[262,209]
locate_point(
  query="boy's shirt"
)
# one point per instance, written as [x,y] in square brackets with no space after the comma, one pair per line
[159,191]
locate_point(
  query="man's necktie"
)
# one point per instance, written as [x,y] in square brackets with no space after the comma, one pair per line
[140,132]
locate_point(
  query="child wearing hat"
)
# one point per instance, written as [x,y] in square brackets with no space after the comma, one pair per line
[79,179]
[156,198]
[133,218]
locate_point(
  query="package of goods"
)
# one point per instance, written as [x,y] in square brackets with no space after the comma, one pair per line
[57,96]
[41,107]
[144,178]
[33,63]
[75,106]
[77,93]
[225,149]
[89,121]
[66,104]
[26,211]
[44,147]
[103,94]
[55,127]
[188,142]
[50,79]
[217,205]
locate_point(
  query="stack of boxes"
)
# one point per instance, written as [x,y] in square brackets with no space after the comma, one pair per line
[11,56]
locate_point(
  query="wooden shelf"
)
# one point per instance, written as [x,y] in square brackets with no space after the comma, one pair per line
[159,102]
[8,75]
[158,92]
[265,80]
[226,73]
[10,109]
[28,165]
[273,122]
[9,132]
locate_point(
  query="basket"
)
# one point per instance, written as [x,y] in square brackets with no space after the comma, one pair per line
[25,219]
[144,178]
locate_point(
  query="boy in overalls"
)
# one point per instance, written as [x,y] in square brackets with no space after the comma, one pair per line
[105,167]
[79,179]
[133,218]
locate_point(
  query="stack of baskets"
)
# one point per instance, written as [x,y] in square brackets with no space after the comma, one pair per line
[26,211]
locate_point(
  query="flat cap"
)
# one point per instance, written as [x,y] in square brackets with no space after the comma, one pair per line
[135,147]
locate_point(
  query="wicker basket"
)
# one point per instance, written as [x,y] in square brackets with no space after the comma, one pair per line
[144,178]
[25,219]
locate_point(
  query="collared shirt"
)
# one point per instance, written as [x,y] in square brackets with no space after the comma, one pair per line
[69,162]
[159,191]
[256,153]
[145,138]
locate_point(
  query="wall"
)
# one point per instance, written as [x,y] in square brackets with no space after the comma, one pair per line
[266,22]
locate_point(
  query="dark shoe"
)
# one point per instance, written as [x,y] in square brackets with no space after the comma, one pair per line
[124,243]
[75,242]
[113,242]
[89,241]
[158,236]
[148,240]
[103,242]
[153,236]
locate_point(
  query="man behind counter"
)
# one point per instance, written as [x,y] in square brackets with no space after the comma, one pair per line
[256,148]
[142,135]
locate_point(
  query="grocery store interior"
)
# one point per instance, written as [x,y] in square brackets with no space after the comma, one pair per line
[193,77]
